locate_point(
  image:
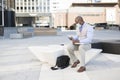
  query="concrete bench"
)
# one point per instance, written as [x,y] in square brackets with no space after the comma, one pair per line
[47,54]
[44,31]
[108,46]
[16,36]
[26,32]
[50,53]
[91,54]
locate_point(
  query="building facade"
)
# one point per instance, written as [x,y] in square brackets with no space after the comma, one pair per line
[28,12]
[1,13]
[9,4]
[31,12]
[8,13]
[93,11]
[62,12]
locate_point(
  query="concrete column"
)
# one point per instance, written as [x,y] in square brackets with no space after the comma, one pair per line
[51,21]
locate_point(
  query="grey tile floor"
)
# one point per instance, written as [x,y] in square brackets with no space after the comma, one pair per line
[18,63]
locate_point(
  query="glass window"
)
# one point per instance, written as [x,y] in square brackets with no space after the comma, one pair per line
[29,8]
[32,3]
[25,8]
[28,3]
[48,8]
[21,8]
[37,8]
[44,8]
[32,8]
[25,3]
[17,8]
[21,3]
[47,3]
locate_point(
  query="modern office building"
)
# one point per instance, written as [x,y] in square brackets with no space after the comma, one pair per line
[59,12]
[9,16]
[62,12]
[9,4]
[8,13]
[93,11]
[31,12]
[1,13]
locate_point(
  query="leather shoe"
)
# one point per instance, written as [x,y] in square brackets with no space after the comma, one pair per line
[75,64]
[81,69]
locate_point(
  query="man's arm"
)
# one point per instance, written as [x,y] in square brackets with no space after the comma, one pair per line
[70,38]
[74,39]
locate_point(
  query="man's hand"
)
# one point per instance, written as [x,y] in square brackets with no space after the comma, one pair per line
[71,38]
[75,41]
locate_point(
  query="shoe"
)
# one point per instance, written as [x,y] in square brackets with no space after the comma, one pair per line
[75,64]
[81,69]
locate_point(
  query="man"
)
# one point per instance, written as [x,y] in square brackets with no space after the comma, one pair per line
[82,42]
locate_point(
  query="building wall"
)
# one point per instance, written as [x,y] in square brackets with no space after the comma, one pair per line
[8,14]
[117,14]
[60,19]
[1,13]
[90,14]
[101,13]
[32,6]
[10,4]
[94,1]
[35,10]
[89,18]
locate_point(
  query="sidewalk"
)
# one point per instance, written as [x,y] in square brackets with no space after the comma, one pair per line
[18,63]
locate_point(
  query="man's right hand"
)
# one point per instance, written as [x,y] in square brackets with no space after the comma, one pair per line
[71,38]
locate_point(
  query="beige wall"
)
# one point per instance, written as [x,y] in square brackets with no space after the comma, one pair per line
[90,14]
[60,19]
[88,17]
[117,14]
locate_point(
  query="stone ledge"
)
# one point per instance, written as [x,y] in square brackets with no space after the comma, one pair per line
[26,32]
[16,36]
[108,46]
[44,31]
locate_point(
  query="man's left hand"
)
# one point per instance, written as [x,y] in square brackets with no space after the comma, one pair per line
[75,41]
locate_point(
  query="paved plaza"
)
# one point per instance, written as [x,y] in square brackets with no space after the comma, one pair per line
[17,62]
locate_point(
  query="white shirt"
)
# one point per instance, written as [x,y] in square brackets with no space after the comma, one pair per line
[86,35]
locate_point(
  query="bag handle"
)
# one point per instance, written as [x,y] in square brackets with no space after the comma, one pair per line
[54,68]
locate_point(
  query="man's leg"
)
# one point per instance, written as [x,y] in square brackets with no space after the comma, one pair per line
[71,48]
[81,56]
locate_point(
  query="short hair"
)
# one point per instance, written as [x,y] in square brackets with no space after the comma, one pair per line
[79,18]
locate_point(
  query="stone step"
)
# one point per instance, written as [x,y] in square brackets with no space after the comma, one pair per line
[10,59]
[19,67]
[65,74]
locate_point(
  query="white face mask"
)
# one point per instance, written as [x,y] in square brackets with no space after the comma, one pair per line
[78,25]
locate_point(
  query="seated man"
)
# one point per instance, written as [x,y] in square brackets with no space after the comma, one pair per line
[83,38]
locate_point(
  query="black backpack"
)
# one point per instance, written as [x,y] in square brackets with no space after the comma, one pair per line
[61,62]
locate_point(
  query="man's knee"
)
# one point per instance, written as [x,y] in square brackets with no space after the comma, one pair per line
[70,47]
[85,47]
